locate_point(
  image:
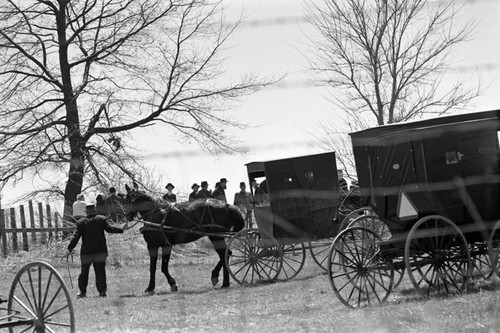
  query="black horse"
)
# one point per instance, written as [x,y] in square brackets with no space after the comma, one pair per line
[184,223]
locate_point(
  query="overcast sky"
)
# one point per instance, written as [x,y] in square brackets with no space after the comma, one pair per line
[273,42]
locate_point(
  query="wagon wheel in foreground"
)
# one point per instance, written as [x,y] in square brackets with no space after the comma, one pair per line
[374,223]
[357,273]
[39,294]
[294,256]
[494,248]
[255,257]
[437,257]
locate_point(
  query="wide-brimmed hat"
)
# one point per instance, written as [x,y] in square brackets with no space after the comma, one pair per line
[194,185]
[223,180]
[169,185]
[204,183]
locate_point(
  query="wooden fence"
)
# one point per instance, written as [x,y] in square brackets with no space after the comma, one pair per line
[21,229]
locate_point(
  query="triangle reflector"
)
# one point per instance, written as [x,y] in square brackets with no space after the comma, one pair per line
[406,208]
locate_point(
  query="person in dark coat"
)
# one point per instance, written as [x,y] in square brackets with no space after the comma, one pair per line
[204,192]
[192,195]
[114,206]
[94,250]
[169,196]
[219,192]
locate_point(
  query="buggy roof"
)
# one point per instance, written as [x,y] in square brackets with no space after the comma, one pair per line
[429,128]
[258,168]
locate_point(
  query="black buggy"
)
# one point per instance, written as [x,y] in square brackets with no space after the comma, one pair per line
[434,186]
[297,207]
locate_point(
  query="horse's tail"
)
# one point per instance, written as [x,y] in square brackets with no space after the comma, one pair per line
[237,218]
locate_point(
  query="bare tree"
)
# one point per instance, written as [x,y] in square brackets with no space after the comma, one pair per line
[78,77]
[386,59]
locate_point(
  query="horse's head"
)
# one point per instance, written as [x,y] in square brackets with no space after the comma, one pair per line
[138,202]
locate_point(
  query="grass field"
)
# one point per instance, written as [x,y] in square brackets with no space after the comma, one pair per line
[304,304]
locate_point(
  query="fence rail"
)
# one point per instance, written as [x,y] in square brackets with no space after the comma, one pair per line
[20,231]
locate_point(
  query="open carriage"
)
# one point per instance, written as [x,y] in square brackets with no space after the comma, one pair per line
[295,207]
[38,301]
[434,186]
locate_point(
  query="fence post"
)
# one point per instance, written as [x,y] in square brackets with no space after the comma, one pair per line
[2,232]
[15,248]
[32,221]
[49,220]
[40,219]
[23,226]
[56,224]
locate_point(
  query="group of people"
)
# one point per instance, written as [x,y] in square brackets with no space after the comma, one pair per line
[111,206]
[199,192]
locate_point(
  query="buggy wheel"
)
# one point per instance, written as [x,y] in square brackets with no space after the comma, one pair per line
[437,257]
[363,211]
[480,259]
[320,250]
[255,257]
[374,223]
[294,256]
[494,249]
[357,273]
[38,294]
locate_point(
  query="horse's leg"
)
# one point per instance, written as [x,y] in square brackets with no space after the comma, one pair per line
[220,248]
[153,256]
[166,251]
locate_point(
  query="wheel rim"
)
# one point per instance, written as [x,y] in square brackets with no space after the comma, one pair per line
[357,273]
[39,294]
[354,215]
[255,257]
[294,256]
[437,257]
[374,223]
[319,252]
[480,260]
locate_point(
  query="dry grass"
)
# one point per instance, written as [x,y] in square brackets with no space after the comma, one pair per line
[304,304]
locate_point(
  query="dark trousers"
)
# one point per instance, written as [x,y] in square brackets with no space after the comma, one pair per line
[100,276]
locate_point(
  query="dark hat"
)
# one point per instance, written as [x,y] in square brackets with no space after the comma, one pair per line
[222,180]
[204,183]
[242,184]
[194,185]
[90,210]
[169,185]
[112,190]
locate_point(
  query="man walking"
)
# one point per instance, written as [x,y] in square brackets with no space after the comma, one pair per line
[94,250]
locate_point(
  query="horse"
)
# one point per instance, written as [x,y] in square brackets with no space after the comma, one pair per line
[183,223]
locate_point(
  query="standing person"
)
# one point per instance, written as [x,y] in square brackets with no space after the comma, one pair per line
[258,193]
[100,204]
[114,205]
[192,195]
[219,192]
[94,250]
[242,200]
[204,192]
[169,196]
[79,207]
[342,181]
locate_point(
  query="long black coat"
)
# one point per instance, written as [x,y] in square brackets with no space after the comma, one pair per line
[91,230]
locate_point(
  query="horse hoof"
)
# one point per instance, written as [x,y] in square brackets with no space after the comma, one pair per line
[215,280]
[149,292]
[224,286]
[174,288]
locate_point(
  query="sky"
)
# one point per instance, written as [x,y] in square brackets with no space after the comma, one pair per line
[284,118]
